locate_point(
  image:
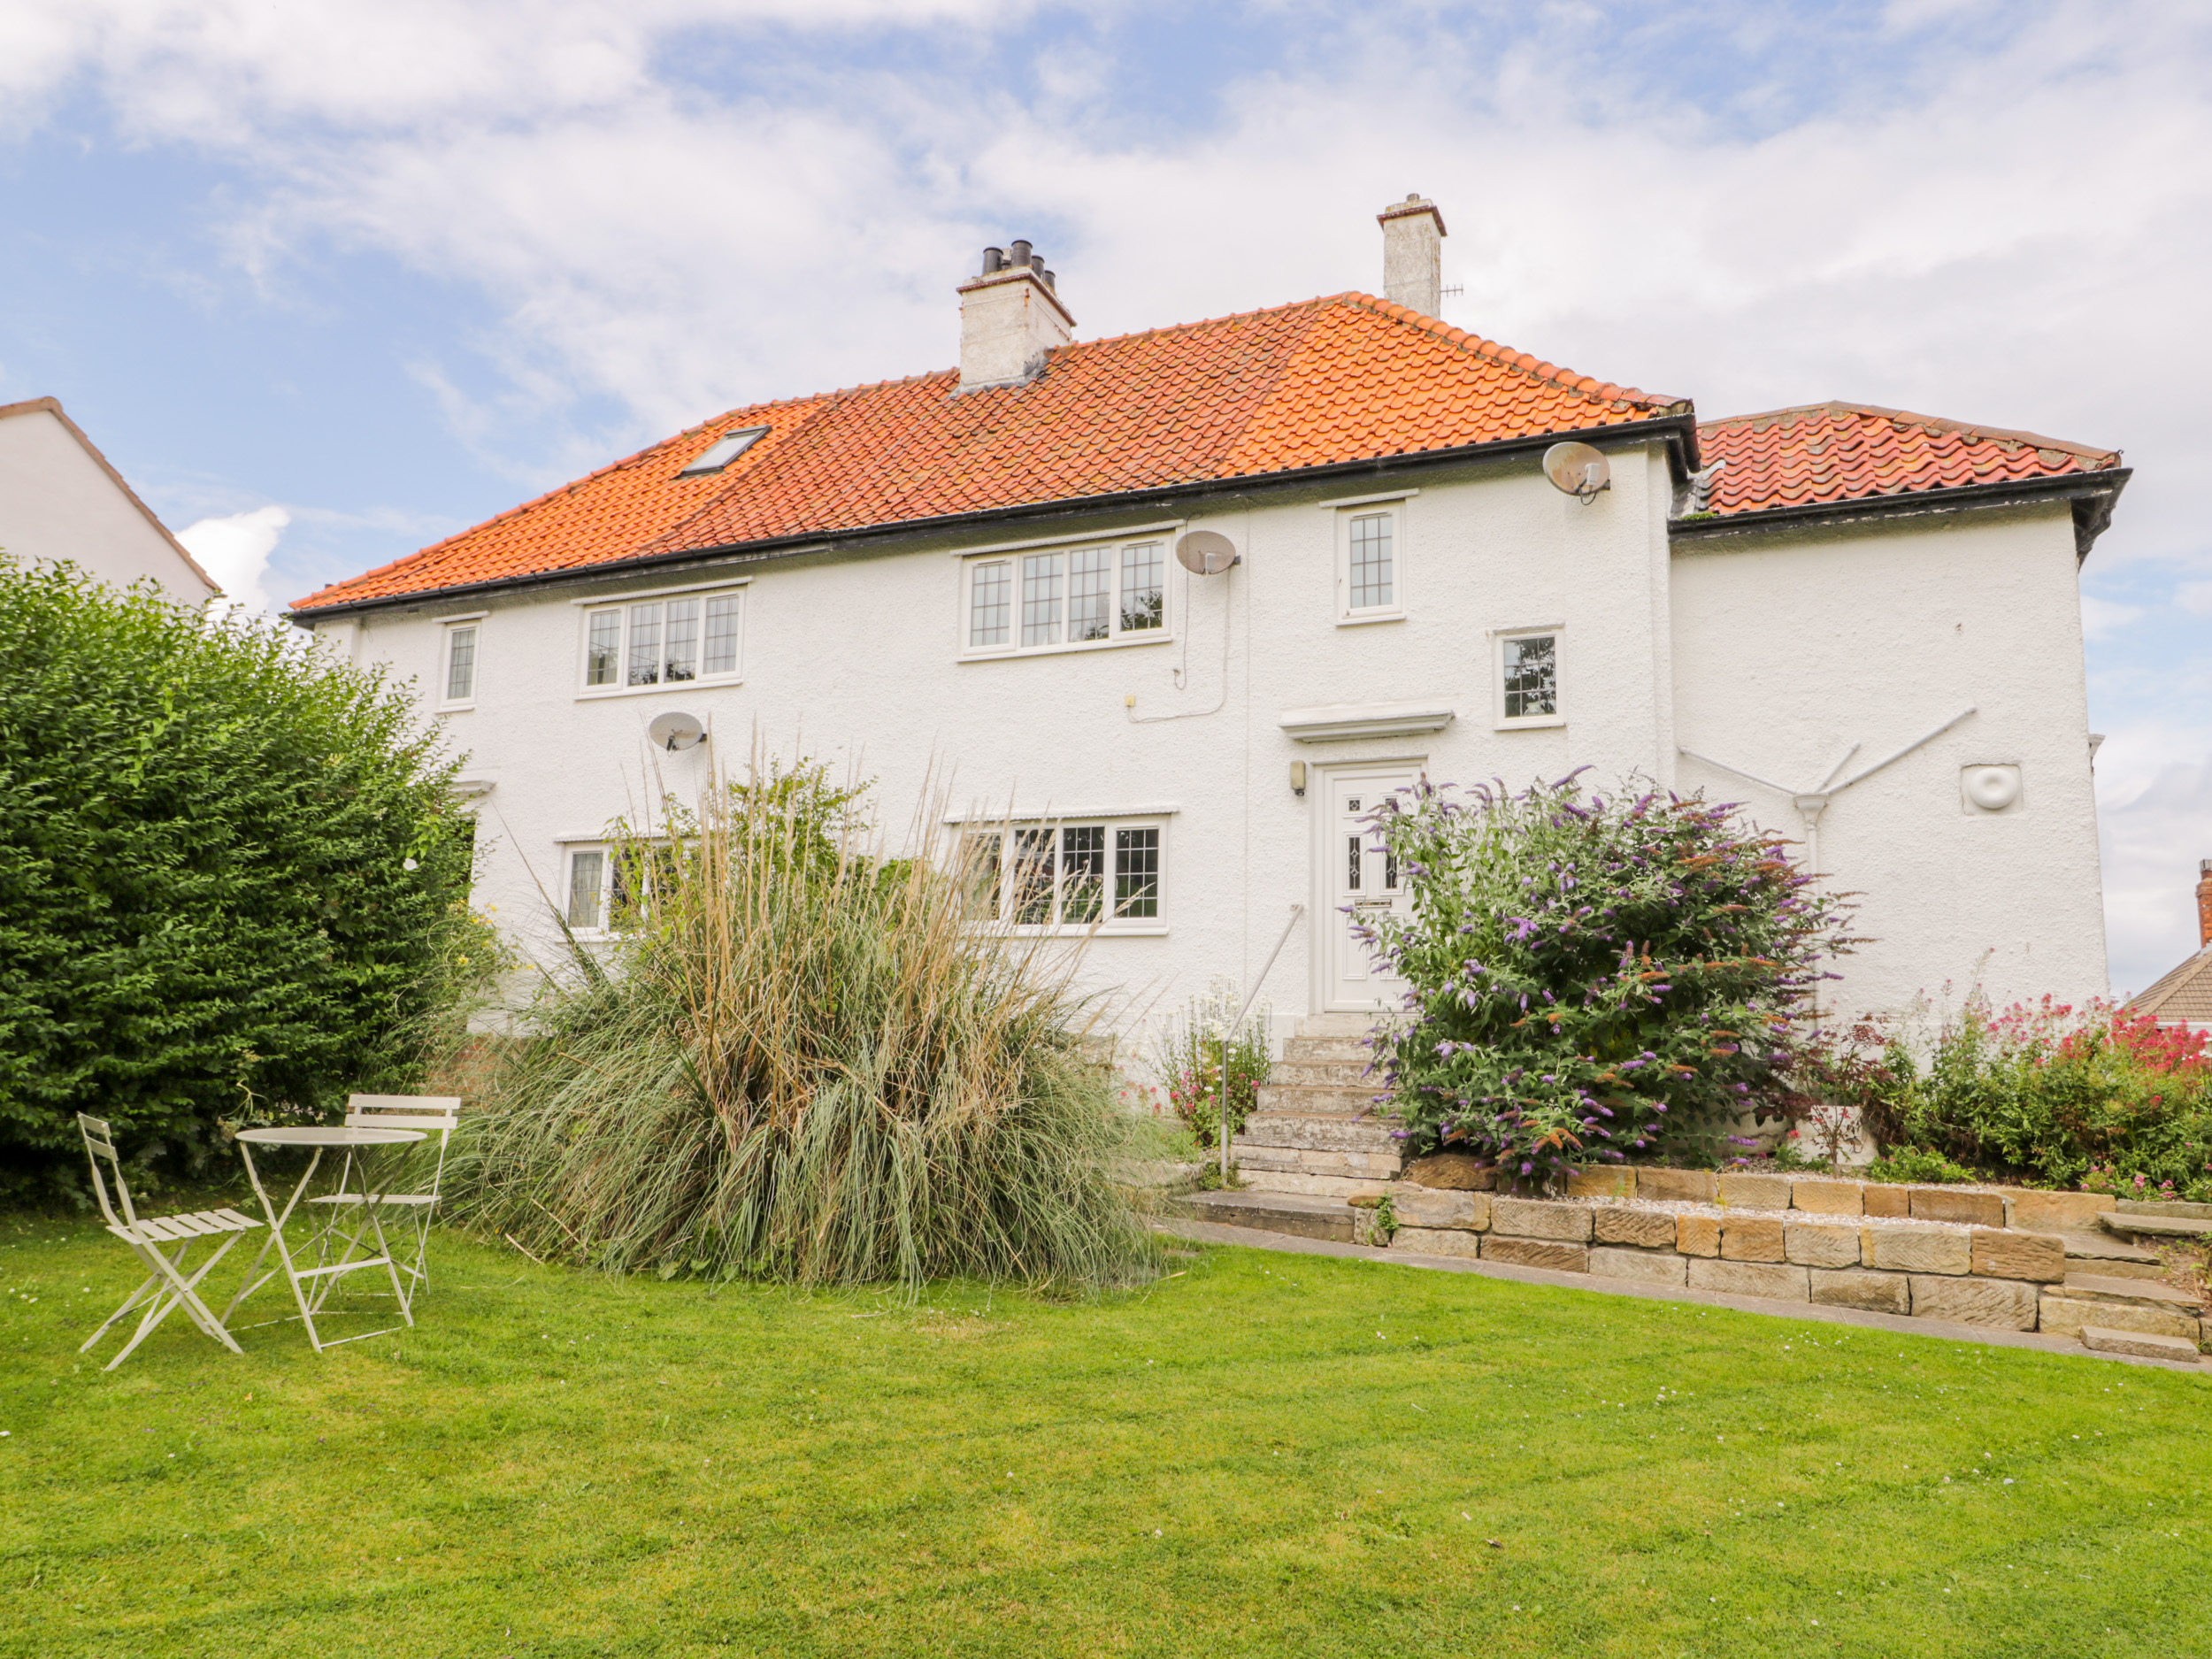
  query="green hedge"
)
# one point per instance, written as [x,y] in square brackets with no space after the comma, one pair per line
[233,881]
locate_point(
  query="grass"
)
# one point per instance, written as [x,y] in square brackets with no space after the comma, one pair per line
[1267,1454]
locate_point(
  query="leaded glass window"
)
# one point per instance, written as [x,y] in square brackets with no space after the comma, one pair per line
[587,889]
[1062,876]
[663,641]
[1531,664]
[1090,594]
[1143,572]
[460,665]
[991,603]
[1373,585]
[1080,596]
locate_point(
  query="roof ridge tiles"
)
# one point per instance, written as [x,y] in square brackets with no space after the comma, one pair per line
[1968,431]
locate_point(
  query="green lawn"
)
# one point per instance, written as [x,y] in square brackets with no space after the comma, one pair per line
[1269,1454]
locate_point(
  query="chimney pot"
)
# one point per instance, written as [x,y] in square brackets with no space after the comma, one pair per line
[1021,252]
[994,259]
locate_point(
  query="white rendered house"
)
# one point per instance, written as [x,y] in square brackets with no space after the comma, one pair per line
[60,500]
[1862,624]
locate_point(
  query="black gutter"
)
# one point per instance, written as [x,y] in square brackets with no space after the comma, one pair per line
[2091,494]
[1680,431]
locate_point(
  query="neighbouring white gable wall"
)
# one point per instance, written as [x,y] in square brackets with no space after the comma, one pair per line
[57,501]
[1788,650]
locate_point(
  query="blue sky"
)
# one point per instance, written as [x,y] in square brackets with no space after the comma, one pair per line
[328,281]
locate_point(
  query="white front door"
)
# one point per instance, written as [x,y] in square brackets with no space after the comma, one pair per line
[1357,875]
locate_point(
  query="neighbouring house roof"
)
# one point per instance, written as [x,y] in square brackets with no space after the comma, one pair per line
[2184,994]
[1345,378]
[52,406]
[1326,382]
[1824,455]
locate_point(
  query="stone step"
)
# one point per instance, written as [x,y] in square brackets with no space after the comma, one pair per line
[2101,1253]
[2135,1221]
[1336,1024]
[1323,1074]
[2140,1345]
[2130,1292]
[1314,1101]
[1326,1051]
[2164,1207]
[1303,1217]
[1315,1186]
[1321,1135]
[1367,1166]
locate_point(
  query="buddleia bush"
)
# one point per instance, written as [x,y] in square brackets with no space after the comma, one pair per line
[1592,978]
[794,1060]
[234,878]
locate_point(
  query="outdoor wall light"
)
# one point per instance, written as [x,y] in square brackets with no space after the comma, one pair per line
[1297,777]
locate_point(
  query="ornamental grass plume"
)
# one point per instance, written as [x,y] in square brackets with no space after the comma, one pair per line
[797,1061]
[1592,978]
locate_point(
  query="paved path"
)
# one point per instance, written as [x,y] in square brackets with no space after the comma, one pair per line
[1252,1238]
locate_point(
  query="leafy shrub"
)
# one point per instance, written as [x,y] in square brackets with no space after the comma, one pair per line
[797,1061]
[1591,977]
[2047,1092]
[1206,1069]
[1917,1167]
[233,877]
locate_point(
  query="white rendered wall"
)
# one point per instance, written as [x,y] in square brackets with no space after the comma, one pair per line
[1770,656]
[1787,651]
[57,502]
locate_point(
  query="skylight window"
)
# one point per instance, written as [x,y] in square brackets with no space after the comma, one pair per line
[724,450]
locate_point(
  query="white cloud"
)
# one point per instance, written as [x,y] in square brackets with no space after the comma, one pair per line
[235,552]
[2195,598]
[2101,619]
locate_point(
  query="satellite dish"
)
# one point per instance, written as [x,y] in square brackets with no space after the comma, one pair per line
[1577,470]
[674,731]
[1205,553]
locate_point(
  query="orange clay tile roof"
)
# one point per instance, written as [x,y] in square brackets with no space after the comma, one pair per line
[1834,452]
[1344,379]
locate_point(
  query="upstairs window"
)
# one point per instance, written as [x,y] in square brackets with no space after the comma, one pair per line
[1370,560]
[459,665]
[1051,876]
[664,641]
[1048,600]
[1528,678]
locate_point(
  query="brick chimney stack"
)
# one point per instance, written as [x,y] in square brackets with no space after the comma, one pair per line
[2204,903]
[1010,316]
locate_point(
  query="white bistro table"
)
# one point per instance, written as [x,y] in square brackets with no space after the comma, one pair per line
[336,1246]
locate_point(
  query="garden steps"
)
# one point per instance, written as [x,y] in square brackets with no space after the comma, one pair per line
[2101,1253]
[2161,1226]
[1315,1133]
[2129,1293]
[1301,1215]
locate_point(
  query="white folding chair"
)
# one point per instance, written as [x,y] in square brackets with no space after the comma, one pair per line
[440,1114]
[166,1287]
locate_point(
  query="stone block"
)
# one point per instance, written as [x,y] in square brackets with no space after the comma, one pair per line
[2140,1344]
[2041,1257]
[2006,1303]
[1566,1258]
[1751,1239]
[1541,1218]
[1755,1192]
[1611,1182]
[1915,1250]
[1438,1241]
[1419,1207]
[1676,1187]
[1751,1279]
[2064,1316]
[1880,1200]
[2057,1212]
[1646,1267]
[2136,1292]
[1646,1229]
[1311,1160]
[1854,1287]
[1816,1244]
[1320,1135]
[1452,1172]
[1697,1235]
[1947,1203]
[1828,1198]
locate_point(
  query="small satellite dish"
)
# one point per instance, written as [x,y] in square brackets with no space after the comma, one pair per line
[1205,553]
[674,731]
[1578,469]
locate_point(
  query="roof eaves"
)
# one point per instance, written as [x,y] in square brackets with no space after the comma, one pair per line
[2091,494]
[1676,429]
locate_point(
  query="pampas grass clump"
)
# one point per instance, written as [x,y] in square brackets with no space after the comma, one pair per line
[799,1061]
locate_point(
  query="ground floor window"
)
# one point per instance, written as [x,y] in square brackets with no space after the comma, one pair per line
[610,887]
[1062,875]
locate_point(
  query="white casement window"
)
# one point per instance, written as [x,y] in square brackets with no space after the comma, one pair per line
[1371,550]
[1065,876]
[1527,671]
[664,640]
[611,886]
[1054,599]
[456,665]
